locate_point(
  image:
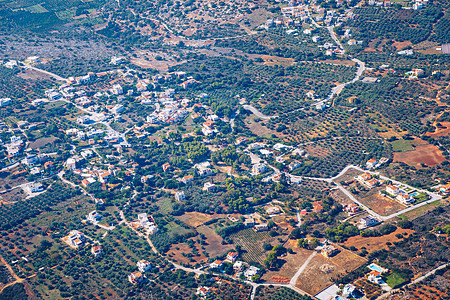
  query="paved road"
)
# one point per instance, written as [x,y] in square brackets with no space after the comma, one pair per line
[257,113]
[57,77]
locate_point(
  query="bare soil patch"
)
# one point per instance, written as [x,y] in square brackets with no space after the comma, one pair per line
[195,219]
[213,242]
[376,243]
[382,205]
[42,142]
[428,154]
[292,262]
[340,62]
[445,131]
[276,60]
[317,151]
[401,45]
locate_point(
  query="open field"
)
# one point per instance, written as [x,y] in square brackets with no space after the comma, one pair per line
[213,241]
[402,145]
[321,270]
[376,243]
[291,265]
[427,154]
[382,205]
[195,219]
[444,131]
[275,60]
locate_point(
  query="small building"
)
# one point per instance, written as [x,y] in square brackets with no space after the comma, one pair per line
[209,187]
[273,210]
[261,227]
[249,222]
[392,190]
[216,264]
[368,221]
[317,206]
[329,251]
[180,196]
[202,291]
[136,277]
[105,177]
[250,272]
[97,250]
[166,167]
[259,168]
[143,265]
[35,187]
[232,256]
[371,163]
[94,216]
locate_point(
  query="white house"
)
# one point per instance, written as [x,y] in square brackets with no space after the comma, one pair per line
[209,186]
[259,168]
[144,265]
[76,239]
[392,190]
[35,187]
[5,101]
[97,250]
[250,272]
[180,196]
[368,221]
[94,216]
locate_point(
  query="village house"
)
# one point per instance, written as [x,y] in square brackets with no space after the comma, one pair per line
[35,187]
[238,266]
[97,250]
[166,167]
[261,227]
[273,210]
[187,179]
[216,264]
[294,165]
[136,277]
[180,196]
[76,239]
[143,265]
[371,163]
[375,277]
[351,208]
[209,187]
[88,181]
[231,257]
[250,272]
[368,221]
[94,216]
[445,189]
[241,140]
[405,198]
[202,291]
[392,190]
[249,222]
[105,177]
[329,251]
[259,169]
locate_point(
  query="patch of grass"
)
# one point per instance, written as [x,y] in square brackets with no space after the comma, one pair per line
[395,280]
[36,9]
[402,146]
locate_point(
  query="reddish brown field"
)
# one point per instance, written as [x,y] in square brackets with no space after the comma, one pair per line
[401,45]
[428,154]
[375,243]
[441,132]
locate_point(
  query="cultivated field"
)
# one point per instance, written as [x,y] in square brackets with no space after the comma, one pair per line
[252,244]
[195,219]
[427,154]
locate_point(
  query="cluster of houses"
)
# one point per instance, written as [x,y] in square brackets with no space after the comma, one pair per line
[367,180]
[146,222]
[395,192]
[239,267]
